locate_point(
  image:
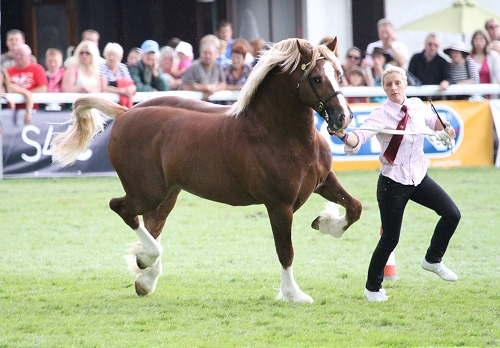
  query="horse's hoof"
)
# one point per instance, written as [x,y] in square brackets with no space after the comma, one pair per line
[315,223]
[139,290]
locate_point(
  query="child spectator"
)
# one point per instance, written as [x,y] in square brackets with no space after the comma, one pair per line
[258,45]
[55,69]
[185,54]
[134,55]
[355,78]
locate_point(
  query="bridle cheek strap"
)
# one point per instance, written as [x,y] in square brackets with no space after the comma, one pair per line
[320,108]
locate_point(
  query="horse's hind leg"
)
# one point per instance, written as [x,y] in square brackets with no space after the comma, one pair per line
[281,223]
[144,259]
[329,220]
[144,256]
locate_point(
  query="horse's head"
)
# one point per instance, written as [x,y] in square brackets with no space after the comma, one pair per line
[318,86]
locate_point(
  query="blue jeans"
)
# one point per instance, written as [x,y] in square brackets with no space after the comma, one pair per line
[392,198]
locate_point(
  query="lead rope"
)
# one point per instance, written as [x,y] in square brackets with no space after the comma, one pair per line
[436,137]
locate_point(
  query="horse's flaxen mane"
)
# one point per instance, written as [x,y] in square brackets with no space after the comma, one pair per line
[284,54]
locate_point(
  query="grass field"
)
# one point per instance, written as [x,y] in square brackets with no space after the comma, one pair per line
[63,281]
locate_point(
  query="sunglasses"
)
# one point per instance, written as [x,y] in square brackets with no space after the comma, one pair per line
[85,53]
[353,57]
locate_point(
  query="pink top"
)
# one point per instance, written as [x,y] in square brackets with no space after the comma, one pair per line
[410,166]
[185,63]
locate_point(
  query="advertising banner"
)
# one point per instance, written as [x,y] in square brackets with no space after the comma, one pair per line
[26,150]
[473,145]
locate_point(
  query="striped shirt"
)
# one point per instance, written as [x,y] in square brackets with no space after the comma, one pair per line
[464,71]
[121,73]
[410,166]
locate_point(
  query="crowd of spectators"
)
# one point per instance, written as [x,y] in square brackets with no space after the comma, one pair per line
[225,63]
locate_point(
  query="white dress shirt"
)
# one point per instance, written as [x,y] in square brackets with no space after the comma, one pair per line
[410,166]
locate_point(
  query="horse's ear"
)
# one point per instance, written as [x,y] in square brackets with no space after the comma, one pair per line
[332,44]
[304,50]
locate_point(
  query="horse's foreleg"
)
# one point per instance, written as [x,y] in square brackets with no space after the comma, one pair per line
[329,220]
[281,224]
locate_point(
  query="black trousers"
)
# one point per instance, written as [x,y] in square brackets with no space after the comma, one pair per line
[392,198]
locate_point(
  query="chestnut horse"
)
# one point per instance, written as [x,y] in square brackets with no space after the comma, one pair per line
[264,149]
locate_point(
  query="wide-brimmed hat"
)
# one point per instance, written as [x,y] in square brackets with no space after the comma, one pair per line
[150,46]
[380,50]
[459,46]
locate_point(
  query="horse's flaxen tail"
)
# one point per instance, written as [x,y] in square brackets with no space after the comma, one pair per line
[87,123]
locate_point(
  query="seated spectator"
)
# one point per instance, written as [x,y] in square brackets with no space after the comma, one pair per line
[258,46]
[356,78]
[168,59]
[26,74]
[82,75]
[387,41]
[249,58]
[146,73]
[115,77]
[185,54]
[487,61]
[463,70]
[55,69]
[173,42]
[430,67]
[133,56]
[222,59]
[13,39]
[381,61]
[8,87]
[205,74]
[491,26]
[237,71]
[495,46]
[87,35]
[221,53]
[352,59]
[225,32]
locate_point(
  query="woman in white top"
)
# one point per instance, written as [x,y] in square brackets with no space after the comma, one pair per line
[82,76]
[403,177]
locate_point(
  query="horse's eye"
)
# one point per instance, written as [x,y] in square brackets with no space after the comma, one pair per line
[316,79]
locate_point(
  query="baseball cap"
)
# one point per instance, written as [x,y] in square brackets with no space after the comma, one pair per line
[184,47]
[150,46]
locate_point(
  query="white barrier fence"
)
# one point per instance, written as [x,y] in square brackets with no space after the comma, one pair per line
[476,91]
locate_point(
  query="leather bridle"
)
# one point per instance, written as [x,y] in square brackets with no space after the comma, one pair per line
[320,104]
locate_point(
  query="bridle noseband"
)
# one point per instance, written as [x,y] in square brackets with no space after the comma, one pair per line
[320,108]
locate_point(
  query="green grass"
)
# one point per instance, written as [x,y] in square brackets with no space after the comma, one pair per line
[63,281]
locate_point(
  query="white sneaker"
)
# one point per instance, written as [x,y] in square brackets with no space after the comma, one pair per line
[440,269]
[376,296]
